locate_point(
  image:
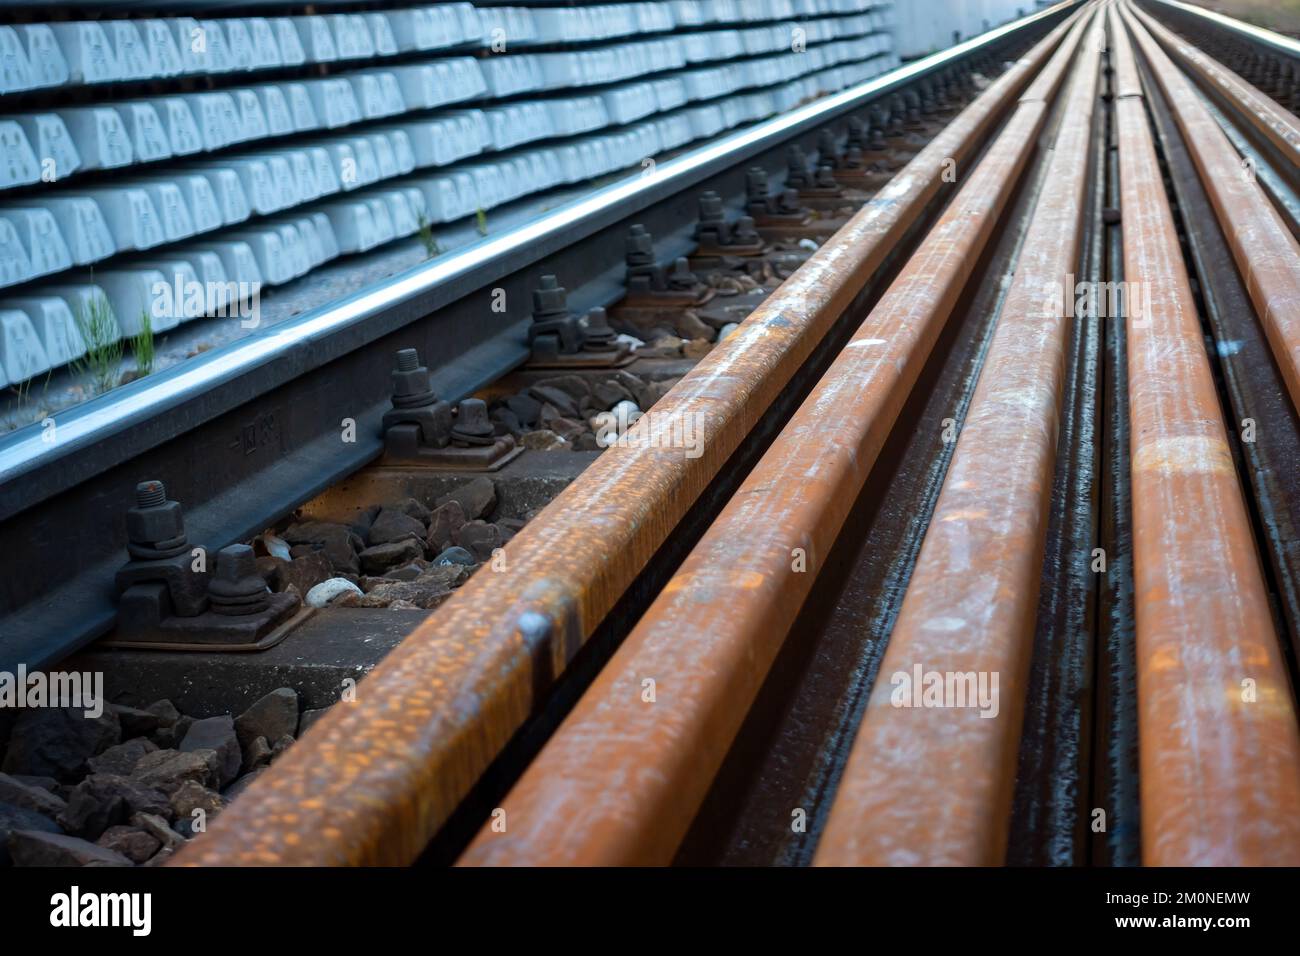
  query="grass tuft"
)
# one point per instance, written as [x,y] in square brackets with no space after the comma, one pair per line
[142,346]
[431,246]
[103,355]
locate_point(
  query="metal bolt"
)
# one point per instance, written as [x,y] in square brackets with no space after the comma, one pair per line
[600,337]
[155,527]
[549,298]
[472,426]
[235,587]
[411,385]
[150,494]
[639,245]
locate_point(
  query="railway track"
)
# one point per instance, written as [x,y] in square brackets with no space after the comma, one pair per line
[956,528]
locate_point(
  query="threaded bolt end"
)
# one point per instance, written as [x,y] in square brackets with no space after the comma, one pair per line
[408,360]
[150,494]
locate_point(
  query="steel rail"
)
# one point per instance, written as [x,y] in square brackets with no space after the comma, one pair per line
[1266,38]
[621,780]
[127,421]
[263,416]
[1219,745]
[1266,253]
[972,600]
[1277,125]
[379,778]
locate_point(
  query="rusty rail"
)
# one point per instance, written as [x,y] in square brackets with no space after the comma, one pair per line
[374,781]
[621,780]
[972,599]
[1220,750]
[1276,124]
[1266,253]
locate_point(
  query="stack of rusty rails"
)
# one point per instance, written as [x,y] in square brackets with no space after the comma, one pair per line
[1220,750]
[1267,258]
[1265,251]
[1255,392]
[714,632]
[1268,60]
[1266,115]
[971,601]
[374,782]
[629,773]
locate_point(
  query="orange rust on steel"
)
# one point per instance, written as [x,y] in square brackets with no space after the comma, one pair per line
[1219,749]
[375,779]
[621,780]
[1123,62]
[1276,123]
[1267,255]
[972,599]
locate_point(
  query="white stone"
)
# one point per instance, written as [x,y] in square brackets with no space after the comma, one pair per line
[330,590]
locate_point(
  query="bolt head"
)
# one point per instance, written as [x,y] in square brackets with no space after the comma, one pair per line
[235,563]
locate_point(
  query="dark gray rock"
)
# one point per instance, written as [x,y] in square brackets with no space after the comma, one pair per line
[166,712]
[550,416]
[480,539]
[455,555]
[361,524]
[407,572]
[20,818]
[303,572]
[525,408]
[477,498]
[39,848]
[506,422]
[138,796]
[563,402]
[122,758]
[444,522]
[257,754]
[19,793]
[87,816]
[134,844]
[168,738]
[159,829]
[216,734]
[271,717]
[103,800]
[610,392]
[56,742]
[393,525]
[575,386]
[416,509]
[381,557]
[136,722]
[339,543]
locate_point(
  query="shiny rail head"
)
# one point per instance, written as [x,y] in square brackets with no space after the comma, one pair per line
[480,653]
[100,419]
[1275,41]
